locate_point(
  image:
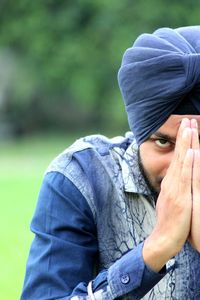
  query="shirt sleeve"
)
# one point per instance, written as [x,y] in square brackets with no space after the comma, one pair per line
[64,253]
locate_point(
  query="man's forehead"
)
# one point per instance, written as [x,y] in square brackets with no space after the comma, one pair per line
[176,119]
[171,126]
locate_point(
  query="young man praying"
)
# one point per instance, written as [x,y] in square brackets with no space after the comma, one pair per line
[120,218]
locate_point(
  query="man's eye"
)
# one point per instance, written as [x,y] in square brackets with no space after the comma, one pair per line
[162,143]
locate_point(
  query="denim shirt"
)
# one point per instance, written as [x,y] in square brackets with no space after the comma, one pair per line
[93,214]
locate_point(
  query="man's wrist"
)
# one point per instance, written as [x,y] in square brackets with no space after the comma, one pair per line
[156,252]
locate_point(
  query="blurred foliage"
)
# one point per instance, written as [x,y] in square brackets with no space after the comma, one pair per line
[23,162]
[59,59]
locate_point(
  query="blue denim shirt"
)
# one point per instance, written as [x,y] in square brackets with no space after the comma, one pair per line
[93,213]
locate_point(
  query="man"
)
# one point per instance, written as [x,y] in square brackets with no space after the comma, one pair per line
[120,217]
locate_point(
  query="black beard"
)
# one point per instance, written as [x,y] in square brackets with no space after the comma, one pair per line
[154,193]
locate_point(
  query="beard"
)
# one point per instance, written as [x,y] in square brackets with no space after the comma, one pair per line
[154,191]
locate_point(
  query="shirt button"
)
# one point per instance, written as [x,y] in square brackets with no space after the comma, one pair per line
[125,279]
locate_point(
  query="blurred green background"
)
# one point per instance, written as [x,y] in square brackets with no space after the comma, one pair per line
[58,69]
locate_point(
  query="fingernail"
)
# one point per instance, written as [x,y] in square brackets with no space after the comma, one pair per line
[197,153]
[194,130]
[189,152]
[194,123]
[186,132]
[184,122]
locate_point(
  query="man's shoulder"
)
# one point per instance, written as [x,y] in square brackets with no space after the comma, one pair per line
[103,144]
[95,146]
[90,162]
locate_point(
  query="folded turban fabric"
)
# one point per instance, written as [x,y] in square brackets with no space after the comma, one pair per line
[158,73]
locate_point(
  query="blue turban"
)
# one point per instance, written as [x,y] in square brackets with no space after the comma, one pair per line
[157,73]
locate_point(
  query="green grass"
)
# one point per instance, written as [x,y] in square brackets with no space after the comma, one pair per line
[22,164]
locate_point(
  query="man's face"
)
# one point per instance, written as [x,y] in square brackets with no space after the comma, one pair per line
[156,153]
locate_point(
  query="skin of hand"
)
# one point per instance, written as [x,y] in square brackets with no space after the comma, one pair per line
[194,237]
[174,203]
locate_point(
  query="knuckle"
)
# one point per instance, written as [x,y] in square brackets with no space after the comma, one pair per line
[184,181]
[181,163]
[179,206]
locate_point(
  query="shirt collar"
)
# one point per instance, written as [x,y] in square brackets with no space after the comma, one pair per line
[133,179]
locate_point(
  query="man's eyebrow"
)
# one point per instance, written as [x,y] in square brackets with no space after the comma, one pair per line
[164,136]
